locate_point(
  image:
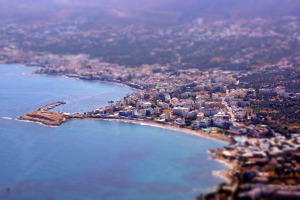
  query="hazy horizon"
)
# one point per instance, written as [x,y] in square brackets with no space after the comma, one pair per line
[135,9]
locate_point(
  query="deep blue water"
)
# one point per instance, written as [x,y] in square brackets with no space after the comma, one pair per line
[92,159]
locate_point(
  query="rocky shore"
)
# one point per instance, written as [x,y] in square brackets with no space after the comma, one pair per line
[45,117]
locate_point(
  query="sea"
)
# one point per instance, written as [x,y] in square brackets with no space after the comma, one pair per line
[92,159]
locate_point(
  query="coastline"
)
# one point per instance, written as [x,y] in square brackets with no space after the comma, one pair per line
[223,174]
[203,134]
[200,133]
[77,78]
[225,162]
[149,123]
[35,122]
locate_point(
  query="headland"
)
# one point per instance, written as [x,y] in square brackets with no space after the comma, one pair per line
[45,116]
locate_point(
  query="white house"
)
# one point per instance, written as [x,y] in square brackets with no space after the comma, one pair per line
[146,105]
[180,111]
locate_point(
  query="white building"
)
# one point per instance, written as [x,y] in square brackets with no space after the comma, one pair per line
[265,91]
[180,111]
[146,105]
[205,123]
[200,116]
[163,105]
[221,120]
[166,116]
[180,121]
[280,90]
[210,111]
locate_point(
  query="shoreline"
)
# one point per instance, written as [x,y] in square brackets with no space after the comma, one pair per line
[149,123]
[77,78]
[203,134]
[226,174]
[223,174]
[225,162]
[35,122]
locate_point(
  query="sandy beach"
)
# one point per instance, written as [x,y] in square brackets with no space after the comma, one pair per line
[225,174]
[225,162]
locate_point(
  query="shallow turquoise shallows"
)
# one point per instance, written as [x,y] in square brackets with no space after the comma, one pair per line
[92,159]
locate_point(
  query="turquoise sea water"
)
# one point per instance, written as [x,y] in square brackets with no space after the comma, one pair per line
[239,139]
[92,159]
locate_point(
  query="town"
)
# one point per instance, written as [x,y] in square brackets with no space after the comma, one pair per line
[233,80]
[199,43]
[212,103]
[225,70]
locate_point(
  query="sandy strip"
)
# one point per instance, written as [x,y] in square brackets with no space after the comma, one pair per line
[223,174]
[226,162]
[226,174]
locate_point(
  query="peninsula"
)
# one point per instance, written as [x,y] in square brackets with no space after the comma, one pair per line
[45,116]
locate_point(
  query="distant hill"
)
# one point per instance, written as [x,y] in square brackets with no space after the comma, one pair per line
[144,10]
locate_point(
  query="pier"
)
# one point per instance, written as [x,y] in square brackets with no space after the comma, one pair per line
[52,105]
